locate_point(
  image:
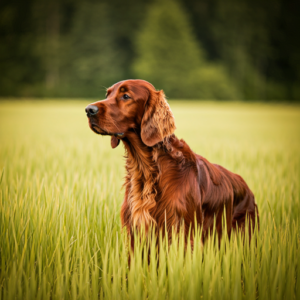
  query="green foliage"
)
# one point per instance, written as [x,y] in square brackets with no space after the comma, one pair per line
[167,53]
[213,82]
[170,57]
[17,55]
[83,58]
[193,49]
[102,63]
[60,198]
[255,41]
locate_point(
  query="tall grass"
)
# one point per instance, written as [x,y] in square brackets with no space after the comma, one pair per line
[60,197]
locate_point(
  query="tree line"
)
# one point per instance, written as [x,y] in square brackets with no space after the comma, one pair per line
[206,49]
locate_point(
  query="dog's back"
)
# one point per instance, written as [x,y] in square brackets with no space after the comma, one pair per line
[222,189]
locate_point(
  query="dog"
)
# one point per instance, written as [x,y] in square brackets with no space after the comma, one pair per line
[167,185]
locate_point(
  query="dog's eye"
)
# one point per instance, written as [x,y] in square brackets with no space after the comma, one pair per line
[125,96]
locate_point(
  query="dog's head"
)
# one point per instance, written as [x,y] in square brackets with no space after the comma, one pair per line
[132,106]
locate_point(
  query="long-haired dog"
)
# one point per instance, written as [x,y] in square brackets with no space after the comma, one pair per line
[166,183]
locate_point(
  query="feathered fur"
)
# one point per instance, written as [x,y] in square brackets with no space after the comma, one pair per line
[166,183]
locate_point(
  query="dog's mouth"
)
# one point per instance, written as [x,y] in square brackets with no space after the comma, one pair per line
[98,130]
[115,137]
[101,131]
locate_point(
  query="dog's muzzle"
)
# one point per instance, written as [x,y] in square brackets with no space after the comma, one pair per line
[91,110]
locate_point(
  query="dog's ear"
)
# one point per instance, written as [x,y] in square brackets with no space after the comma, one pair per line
[158,121]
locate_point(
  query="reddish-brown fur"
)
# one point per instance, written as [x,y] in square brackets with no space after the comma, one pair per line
[166,183]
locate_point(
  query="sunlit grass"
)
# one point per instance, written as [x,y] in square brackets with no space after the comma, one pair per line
[60,197]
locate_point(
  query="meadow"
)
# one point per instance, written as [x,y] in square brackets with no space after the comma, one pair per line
[60,198]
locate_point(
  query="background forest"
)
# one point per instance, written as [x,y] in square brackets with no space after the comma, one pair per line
[208,49]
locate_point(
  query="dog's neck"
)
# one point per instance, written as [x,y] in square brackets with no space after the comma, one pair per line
[141,180]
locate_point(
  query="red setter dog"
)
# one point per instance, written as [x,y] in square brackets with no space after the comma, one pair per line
[167,184]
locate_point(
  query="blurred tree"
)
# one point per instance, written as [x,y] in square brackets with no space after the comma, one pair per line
[47,19]
[92,60]
[257,42]
[169,56]
[196,49]
[17,57]
[242,40]
[77,48]
[125,19]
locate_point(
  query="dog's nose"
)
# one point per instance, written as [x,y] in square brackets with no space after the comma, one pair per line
[91,110]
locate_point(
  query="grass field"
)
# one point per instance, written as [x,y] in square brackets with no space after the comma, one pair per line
[60,197]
